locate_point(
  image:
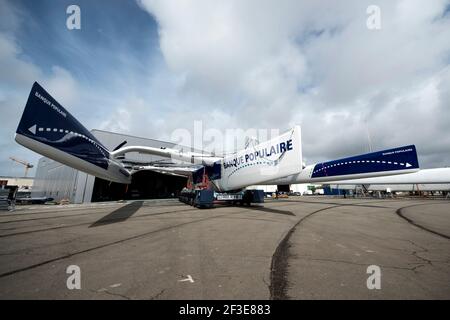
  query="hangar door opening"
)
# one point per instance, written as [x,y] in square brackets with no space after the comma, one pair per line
[284,188]
[144,185]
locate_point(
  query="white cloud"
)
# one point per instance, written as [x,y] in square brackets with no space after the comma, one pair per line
[63,86]
[15,71]
[16,79]
[315,63]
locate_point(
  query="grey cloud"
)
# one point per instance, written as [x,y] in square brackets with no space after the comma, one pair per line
[316,63]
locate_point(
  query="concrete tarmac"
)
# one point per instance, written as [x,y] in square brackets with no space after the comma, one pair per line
[296,248]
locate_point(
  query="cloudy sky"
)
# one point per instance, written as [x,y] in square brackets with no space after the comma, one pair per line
[148,68]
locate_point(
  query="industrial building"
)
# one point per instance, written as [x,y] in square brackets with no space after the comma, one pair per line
[58,181]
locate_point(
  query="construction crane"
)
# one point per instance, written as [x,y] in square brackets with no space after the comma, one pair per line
[22,162]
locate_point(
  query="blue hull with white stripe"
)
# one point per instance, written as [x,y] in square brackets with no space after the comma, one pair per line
[382,161]
[48,128]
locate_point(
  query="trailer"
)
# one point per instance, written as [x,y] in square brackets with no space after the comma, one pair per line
[204,198]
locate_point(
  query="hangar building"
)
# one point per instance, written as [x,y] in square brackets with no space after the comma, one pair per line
[59,182]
